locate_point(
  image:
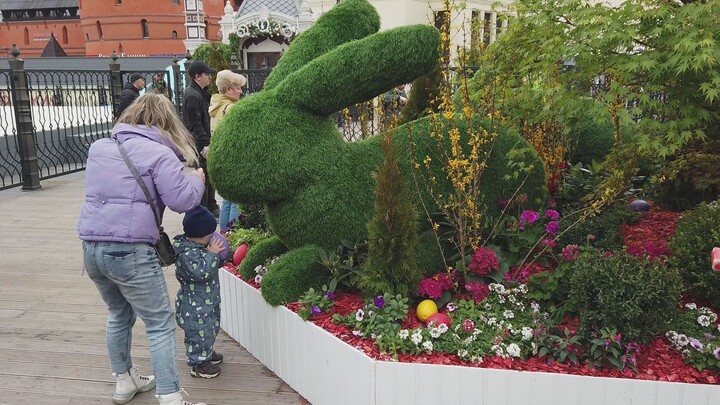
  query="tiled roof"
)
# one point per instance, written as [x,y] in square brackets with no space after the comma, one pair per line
[79,63]
[36,4]
[288,7]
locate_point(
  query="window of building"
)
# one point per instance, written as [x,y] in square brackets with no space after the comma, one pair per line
[118,2]
[99,29]
[64,35]
[174,34]
[145,29]
[27,37]
[205,31]
[176,2]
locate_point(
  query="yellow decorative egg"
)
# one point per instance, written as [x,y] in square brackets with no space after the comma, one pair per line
[425,309]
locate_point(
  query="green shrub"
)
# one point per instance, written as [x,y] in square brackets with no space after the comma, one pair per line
[259,254]
[591,141]
[603,231]
[638,297]
[391,265]
[696,234]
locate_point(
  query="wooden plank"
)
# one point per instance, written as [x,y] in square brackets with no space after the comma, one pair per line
[52,319]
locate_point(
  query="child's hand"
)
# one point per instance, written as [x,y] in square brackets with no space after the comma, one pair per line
[215,246]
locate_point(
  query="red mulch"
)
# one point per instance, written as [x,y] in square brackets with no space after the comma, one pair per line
[658,360]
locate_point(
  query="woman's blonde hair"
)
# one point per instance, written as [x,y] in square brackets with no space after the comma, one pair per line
[156,110]
[226,79]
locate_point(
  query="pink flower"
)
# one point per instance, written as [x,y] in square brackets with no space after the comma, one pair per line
[478,290]
[552,228]
[549,242]
[552,214]
[528,217]
[484,262]
[570,253]
[468,325]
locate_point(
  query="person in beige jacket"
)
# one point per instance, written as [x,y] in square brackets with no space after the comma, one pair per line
[229,86]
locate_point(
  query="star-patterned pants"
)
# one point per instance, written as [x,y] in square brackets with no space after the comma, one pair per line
[201,328]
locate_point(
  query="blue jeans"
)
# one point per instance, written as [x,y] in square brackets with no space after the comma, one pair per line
[228,212]
[131,282]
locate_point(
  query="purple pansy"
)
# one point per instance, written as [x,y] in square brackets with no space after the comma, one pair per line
[379,302]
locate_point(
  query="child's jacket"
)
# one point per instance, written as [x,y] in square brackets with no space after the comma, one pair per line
[197,307]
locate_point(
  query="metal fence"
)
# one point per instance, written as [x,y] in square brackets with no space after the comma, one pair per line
[49,118]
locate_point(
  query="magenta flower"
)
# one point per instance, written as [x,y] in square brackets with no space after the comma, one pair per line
[552,214]
[330,295]
[315,310]
[528,217]
[552,228]
[484,262]
[570,253]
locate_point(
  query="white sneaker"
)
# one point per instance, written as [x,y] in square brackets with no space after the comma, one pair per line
[130,383]
[175,399]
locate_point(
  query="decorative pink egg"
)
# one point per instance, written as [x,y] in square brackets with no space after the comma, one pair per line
[240,254]
[439,319]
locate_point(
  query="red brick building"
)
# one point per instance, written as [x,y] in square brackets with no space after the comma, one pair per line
[98,27]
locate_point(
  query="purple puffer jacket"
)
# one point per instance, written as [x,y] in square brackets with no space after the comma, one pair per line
[115,208]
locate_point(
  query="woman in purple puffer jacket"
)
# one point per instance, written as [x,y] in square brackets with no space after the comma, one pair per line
[118,231]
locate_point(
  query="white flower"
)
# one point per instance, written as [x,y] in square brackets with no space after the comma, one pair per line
[258,279]
[434,332]
[535,306]
[513,350]
[501,299]
[416,337]
[491,321]
[523,288]
[691,305]
[703,320]
[403,334]
[498,351]
[451,306]
[527,333]
[508,314]
[359,315]
[428,346]
[462,353]
[469,340]
[371,313]
[357,333]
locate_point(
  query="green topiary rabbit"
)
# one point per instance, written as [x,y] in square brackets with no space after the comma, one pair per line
[279,147]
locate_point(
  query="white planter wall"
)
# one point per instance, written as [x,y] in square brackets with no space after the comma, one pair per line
[327,371]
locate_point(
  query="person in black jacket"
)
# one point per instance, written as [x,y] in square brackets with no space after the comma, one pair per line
[196,116]
[130,92]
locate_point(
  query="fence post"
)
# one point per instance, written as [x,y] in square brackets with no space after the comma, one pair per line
[116,83]
[23,119]
[177,86]
[188,61]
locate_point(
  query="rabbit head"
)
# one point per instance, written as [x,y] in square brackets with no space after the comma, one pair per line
[280,140]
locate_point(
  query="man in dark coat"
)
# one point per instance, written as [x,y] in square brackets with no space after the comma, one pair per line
[196,116]
[130,92]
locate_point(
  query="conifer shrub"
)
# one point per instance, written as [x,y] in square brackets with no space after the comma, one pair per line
[636,296]
[391,265]
[697,232]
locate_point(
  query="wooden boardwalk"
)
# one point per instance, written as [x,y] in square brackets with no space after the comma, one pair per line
[52,320]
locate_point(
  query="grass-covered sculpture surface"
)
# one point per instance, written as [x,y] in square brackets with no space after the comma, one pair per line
[279,147]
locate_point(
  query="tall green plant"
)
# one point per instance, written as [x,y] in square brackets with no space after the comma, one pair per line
[215,54]
[391,266]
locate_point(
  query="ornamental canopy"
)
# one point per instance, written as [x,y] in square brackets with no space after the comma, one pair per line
[256,18]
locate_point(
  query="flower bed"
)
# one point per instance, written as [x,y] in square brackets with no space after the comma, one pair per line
[323,369]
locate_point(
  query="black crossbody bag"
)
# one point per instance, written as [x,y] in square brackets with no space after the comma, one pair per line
[164,249]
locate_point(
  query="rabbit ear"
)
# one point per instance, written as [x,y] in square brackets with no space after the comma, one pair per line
[360,70]
[347,21]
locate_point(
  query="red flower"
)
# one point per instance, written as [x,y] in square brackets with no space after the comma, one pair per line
[484,262]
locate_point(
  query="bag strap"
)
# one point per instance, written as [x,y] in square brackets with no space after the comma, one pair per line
[141,183]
